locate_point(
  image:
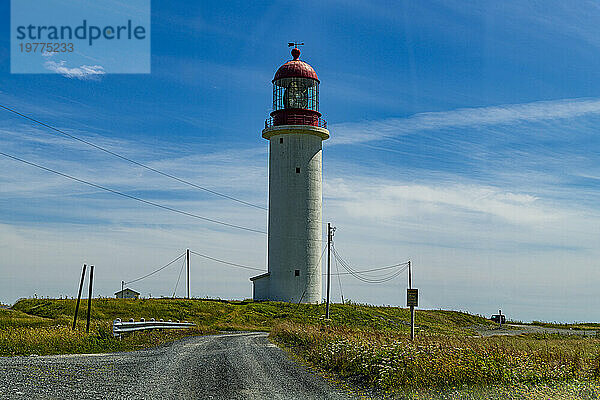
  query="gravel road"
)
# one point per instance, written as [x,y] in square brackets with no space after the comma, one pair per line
[229,366]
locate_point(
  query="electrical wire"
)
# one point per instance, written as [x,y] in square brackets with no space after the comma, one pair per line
[357,274]
[179,277]
[405,263]
[366,271]
[155,271]
[306,286]
[139,164]
[339,279]
[376,281]
[372,270]
[227,262]
[215,221]
[360,277]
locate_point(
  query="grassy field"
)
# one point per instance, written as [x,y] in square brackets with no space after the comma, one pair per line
[42,326]
[240,315]
[364,345]
[26,334]
[461,366]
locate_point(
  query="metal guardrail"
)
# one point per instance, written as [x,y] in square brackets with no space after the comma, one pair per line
[120,327]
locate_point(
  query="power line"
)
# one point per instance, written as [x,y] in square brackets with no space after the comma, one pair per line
[134,197]
[306,286]
[366,271]
[155,271]
[227,262]
[357,274]
[363,271]
[139,164]
[376,269]
[339,279]
[179,277]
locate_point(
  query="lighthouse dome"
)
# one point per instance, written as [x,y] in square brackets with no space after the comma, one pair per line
[295,94]
[295,69]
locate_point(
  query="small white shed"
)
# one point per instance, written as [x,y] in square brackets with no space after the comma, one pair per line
[127,294]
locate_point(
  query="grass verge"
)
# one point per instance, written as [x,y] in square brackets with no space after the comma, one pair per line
[389,362]
[41,326]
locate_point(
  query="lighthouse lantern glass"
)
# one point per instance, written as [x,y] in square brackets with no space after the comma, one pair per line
[296,93]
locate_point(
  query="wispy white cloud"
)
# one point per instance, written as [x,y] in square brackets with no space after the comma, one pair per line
[386,200]
[473,246]
[82,72]
[366,131]
[455,229]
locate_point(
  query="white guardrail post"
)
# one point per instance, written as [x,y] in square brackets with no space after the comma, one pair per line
[120,327]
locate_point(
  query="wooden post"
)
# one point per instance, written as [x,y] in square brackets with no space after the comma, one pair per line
[412,322]
[89,307]
[412,308]
[328,268]
[79,296]
[188,272]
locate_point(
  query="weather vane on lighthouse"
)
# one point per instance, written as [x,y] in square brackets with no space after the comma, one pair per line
[295,131]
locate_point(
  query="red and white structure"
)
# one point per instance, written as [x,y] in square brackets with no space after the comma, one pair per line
[295,131]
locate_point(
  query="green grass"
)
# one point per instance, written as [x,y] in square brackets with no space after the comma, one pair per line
[17,319]
[46,329]
[570,390]
[60,339]
[365,345]
[42,326]
[388,361]
[248,315]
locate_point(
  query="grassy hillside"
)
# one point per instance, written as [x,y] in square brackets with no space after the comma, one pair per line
[361,344]
[43,326]
[14,318]
[224,315]
[49,332]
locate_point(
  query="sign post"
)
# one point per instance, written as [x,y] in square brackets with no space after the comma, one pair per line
[412,300]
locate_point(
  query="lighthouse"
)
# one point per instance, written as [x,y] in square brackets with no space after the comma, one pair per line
[295,131]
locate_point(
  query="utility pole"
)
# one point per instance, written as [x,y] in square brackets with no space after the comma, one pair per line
[122,288]
[79,296]
[89,308]
[409,276]
[412,307]
[188,272]
[329,236]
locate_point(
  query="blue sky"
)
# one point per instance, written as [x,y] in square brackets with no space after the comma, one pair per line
[464,137]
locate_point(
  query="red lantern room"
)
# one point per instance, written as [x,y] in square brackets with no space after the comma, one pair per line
[295,95]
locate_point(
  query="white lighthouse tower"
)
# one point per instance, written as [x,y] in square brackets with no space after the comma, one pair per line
[295,132]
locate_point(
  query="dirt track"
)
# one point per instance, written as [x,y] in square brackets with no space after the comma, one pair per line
[232,366]
[515,330]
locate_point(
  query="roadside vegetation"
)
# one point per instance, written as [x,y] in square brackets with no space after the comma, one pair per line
[220,315]
[43,326]
[24,334]
[366,346]
[391,363]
